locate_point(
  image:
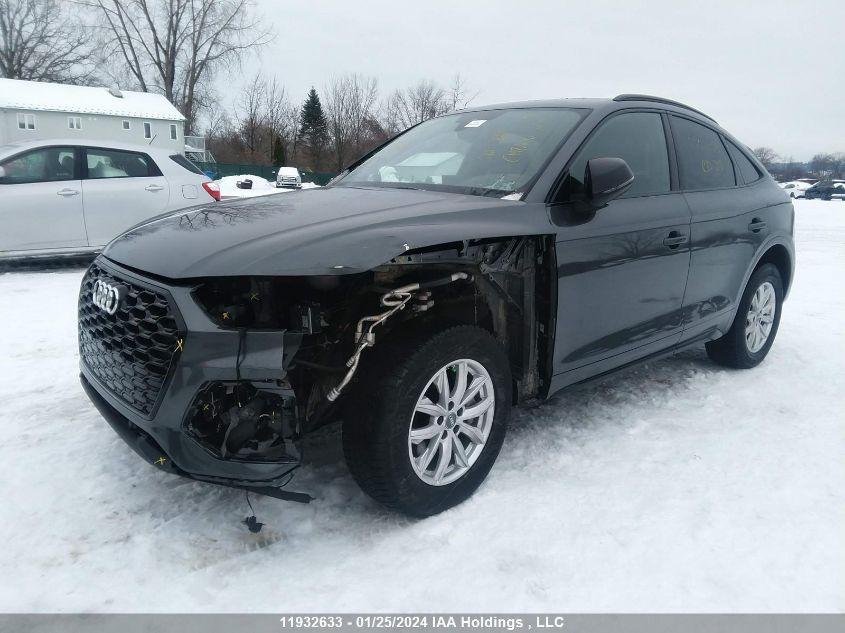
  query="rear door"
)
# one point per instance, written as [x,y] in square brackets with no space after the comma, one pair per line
[730,221]
[119,189]
[42,201]
[622,270]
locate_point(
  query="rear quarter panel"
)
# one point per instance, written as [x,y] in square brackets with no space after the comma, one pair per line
[725,250]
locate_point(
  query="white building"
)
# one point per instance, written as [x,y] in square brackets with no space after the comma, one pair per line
[31,110]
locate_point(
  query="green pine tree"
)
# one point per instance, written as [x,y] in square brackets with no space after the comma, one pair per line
[313,129]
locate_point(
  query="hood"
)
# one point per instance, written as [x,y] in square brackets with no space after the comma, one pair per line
[336,230]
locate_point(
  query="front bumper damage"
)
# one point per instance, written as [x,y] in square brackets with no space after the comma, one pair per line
[183,434]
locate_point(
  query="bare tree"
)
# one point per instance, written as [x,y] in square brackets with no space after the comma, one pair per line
[293,118]
[416,104]
[176,46]
[41,41]
[350,101]
[282,120]
[767,156]
[459,95]
[251,117]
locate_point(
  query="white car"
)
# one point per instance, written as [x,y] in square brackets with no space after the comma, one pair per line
[69,197]
[795,188]
[289,177]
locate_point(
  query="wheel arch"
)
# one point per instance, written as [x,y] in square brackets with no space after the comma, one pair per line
[781,257]
[511,295]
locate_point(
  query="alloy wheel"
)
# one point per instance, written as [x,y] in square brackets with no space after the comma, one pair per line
[451,422]
[760,317]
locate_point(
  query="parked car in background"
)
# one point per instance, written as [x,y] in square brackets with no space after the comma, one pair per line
[481,257]
[73,197]
[288,177]
[795,188]
[827,190]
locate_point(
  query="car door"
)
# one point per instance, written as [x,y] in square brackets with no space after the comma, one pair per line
[119,189]
[41,201]
[730,221]
[622,269]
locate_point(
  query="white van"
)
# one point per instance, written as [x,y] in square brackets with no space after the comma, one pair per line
[289,177]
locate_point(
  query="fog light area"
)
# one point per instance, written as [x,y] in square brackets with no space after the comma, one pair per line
[242,420]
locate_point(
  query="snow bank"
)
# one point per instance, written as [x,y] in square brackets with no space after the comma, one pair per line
[678,486]
[260,187]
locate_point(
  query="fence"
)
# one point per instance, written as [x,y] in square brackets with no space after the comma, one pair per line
[268,172]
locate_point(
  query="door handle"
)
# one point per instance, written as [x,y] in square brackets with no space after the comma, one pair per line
[66,193]
[757,225]
[153,187]
[675,239]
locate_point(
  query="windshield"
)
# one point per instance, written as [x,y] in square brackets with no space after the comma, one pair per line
[491,152]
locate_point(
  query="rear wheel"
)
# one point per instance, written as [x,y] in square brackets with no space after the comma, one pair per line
[424,431]
[755,326]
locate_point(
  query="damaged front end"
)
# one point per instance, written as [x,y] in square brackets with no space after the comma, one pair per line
[254,364]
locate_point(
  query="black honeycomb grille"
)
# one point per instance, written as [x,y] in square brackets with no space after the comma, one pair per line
[130,352]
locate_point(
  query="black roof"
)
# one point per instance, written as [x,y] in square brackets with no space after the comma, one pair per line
[594,104]
[637,97]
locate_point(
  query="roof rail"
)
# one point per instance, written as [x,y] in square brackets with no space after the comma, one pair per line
[635,97]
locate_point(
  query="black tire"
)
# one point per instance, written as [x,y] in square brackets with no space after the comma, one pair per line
[732,350]
[378,420]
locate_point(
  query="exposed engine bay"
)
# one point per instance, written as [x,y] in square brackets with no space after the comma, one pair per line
[501,285]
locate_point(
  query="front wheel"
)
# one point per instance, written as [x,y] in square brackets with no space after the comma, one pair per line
[424,431]
[754,328]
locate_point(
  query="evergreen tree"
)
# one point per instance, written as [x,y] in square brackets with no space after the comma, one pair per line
[277,151]
[314,129]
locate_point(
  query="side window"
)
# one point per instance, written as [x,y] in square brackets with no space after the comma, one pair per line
[703,161]
[637,138]
[41,165]
[747,169]
[148,130]
[127,125]
[173,131]
[186,164]
[108,163]
[74,123]
[26,121]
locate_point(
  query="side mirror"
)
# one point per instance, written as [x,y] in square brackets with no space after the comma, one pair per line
[606,179]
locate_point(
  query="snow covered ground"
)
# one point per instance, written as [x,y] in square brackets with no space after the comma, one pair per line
[678,486]
[260,187]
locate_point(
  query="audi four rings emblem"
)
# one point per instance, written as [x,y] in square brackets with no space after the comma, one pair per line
[106,297]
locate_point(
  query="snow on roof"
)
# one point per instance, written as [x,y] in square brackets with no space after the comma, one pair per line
[35,95]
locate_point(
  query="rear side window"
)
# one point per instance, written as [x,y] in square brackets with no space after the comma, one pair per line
[635,137]
[703,161]
[747,169]
[184,162]
[49,164]
[109,163]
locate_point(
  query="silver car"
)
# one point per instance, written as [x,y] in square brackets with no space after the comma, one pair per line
[72,197]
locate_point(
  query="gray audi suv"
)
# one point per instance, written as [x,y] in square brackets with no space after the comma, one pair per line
[477,260]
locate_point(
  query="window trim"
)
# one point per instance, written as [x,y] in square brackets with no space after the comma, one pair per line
[76,163]
[174,132]
[556,190]
[126,125]
[738,146]
[153,168]
[719,134]
[23,117]
[148,130]
[175,158]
